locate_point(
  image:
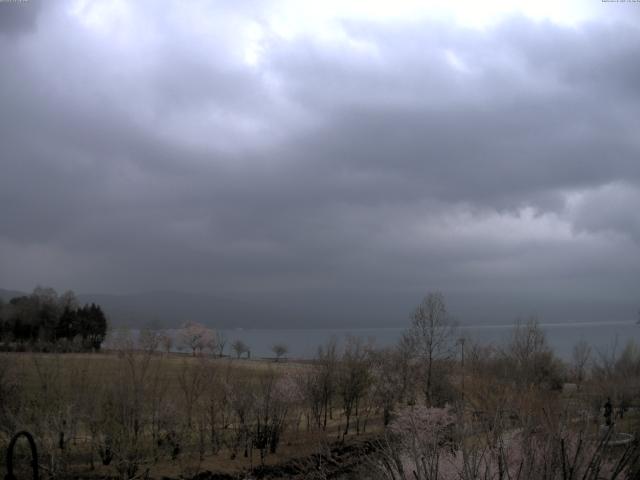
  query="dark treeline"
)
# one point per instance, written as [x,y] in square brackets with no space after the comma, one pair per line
[44,319]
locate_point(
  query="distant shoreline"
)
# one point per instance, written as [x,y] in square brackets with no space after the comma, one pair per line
[351,329]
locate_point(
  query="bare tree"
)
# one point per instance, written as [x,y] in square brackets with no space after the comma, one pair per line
[404,353]
[148,340]
[68,300]
[279,349]
[10,393]
[240,390]
[124,412]
[239,347]
[317,385]
[192,379]
[274,396]
[221,342]
[217,409]
[310,388]
[527,340]
[166,342]
[210,343]
[433,333]
[530,357]
[354,379]
[327,365]
[579,358]
[387,380]
[616,373]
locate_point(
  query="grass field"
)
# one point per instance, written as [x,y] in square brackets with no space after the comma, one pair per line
[85,396]
[134,414]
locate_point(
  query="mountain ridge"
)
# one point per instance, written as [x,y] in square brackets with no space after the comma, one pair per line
[170,309]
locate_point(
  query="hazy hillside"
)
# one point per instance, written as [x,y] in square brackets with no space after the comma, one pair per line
[350,309]
[170,309]
[7,295]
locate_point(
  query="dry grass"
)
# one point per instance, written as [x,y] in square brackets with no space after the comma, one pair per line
[28,364]
[72,374]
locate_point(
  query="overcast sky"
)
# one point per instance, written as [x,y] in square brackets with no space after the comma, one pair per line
[352,153]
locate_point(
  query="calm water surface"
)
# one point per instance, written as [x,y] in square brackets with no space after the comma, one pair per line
[303,343]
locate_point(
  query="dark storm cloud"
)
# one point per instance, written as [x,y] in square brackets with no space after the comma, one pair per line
[502,129]
[152,149]
[17,17]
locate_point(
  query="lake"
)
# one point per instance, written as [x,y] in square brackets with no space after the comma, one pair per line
[303,343]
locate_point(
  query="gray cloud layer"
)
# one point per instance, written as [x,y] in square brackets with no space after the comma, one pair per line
[175,148]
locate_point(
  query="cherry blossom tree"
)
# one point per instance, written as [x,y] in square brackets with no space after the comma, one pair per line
[196,337]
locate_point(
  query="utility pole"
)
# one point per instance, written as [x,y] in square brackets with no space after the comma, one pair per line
[461,340]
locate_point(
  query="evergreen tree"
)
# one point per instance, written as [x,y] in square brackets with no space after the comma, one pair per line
[44,316]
